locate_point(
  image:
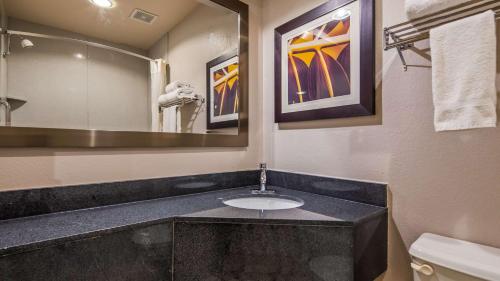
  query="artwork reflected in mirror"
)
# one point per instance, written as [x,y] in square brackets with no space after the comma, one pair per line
[115,65]
[222,92]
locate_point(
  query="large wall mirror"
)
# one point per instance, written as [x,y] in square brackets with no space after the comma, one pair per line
[123,73]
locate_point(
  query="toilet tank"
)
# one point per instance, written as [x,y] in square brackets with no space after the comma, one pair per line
[439,258]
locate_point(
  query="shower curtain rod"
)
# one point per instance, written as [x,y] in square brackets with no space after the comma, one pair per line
[80,41]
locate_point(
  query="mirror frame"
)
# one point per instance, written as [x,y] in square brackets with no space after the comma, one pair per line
[77,138]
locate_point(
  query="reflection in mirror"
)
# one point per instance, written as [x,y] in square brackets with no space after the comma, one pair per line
[135,65]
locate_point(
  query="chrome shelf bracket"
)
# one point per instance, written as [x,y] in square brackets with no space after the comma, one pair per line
[399,48]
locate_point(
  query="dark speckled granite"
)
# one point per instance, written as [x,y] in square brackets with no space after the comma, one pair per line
[262,252]
[364,192]
[328,238]
[370,247]
[325,239]
[140,253]
[38,231]
[22,203]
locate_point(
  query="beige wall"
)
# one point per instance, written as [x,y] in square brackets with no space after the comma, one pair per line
[25,168]
[446,183]
[100,89]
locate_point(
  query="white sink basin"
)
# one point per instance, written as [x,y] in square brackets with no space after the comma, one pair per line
[263,202]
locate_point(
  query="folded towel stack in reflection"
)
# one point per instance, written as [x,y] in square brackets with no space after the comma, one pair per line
[178,93]
[463,73]
[171,115]
[177,85]
[419,8]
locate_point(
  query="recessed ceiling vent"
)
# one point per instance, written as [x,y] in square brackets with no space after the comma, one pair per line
[143,16]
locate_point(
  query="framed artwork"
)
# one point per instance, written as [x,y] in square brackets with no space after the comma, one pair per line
[222,91]
[324,63]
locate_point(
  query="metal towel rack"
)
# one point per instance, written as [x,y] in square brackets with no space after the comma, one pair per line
[183,101]
[179,103]
[403,36]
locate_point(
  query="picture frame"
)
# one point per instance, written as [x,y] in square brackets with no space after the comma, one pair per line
[223,91]
[325,63]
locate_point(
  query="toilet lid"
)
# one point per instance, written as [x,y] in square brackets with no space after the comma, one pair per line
[473,259]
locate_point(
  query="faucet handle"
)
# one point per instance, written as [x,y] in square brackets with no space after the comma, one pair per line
[262,165]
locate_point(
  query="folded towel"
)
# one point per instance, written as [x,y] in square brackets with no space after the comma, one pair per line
[176,85]
[463,73]
[176,94]
[419,8]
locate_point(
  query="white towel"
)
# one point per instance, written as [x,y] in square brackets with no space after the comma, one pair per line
[463,73]
[171,119]
[176,85]
[176,94]
[419,8]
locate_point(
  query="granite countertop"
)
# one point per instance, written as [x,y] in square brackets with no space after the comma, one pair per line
[43,230]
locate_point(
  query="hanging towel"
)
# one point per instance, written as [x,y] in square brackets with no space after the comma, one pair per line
[463,73]
[419,8]
[176,85]
[170,122]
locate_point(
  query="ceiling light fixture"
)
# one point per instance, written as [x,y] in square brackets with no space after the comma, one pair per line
[103,3]
[79,56]
[26,43]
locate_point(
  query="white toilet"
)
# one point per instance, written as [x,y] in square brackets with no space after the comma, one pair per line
[438,258]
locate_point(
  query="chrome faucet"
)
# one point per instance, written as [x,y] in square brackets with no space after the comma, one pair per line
[6,104]
[263,179]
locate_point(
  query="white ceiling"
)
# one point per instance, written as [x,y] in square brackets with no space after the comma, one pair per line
[113,25]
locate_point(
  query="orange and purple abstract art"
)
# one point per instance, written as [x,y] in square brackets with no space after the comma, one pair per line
[223,97]
[225,89]
[319,63]
[325,63]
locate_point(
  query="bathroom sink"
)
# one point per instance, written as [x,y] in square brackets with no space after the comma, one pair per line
[263,202]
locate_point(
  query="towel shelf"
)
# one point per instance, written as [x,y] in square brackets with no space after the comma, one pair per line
[182,102]
[403,36]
